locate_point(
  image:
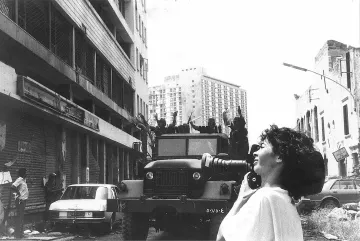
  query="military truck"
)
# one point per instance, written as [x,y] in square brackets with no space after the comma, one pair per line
[180,187]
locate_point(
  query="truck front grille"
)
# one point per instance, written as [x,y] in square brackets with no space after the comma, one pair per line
[171,183]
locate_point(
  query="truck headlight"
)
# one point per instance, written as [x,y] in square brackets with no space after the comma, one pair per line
[123,187]
[196,176]
[149,175]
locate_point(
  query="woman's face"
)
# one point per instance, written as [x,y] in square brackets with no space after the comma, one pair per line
[265,159]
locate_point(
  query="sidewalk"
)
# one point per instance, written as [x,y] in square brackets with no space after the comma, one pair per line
[34,230]
[42,236]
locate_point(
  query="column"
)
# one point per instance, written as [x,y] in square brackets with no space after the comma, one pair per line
[117,164]
[87,158]
[75,158]
[102,158]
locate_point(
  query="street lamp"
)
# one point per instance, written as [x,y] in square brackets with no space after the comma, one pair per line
[305,70]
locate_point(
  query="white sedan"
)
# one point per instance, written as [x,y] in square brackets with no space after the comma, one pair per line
[86,204]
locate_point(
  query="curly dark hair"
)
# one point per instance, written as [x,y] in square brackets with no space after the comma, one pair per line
[304,168]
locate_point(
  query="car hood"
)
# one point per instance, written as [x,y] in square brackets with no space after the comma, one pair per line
[79,204]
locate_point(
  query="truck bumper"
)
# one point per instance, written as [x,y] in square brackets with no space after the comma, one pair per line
[181,206]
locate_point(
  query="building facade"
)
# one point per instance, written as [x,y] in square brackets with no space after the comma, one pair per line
[328,111]
[193,92]
[73,73]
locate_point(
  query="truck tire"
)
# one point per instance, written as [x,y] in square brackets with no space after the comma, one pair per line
[214,225]
[135,226]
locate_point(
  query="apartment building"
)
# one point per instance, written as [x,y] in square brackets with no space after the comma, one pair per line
[328,110]
[73,73]
[193,92]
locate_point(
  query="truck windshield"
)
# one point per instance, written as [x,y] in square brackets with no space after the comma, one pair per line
[200,146]
[172,147]
[177,147]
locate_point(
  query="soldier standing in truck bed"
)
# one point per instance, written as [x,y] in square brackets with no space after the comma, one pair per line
[210,128]
[239,143]
[161,128]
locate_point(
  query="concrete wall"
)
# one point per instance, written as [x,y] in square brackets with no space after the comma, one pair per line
[83,14]
[141,82]
[8,79]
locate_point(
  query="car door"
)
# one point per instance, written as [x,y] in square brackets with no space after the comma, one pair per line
[112,202]
[357,186]
[116,195]
[344,191]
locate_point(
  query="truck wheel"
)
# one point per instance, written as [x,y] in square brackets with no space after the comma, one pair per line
[135,226]
[214,225]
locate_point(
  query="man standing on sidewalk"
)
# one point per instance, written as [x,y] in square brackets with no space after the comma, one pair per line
[21,195]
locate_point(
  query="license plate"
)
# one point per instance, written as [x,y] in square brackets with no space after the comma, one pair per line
[215,210]
[88,214]
[62,214]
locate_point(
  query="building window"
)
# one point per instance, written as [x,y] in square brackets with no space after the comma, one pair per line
[316,125]
[140,30]
[136,17]
[138,104]
[348,73]
[143,32]
[141,65]
[137,59]
[346,120]
[145,37]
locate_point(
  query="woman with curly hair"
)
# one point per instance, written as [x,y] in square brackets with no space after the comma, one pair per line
[289,167]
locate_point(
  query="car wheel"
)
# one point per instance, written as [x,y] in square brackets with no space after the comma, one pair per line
[329,204]
[109,225]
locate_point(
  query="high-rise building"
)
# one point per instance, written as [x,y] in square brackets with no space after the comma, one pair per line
[192,91]
[73,75]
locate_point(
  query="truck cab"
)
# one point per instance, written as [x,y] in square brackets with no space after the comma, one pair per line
[179,187]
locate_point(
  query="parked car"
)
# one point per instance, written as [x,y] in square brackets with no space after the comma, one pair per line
[86,204]
[336,192]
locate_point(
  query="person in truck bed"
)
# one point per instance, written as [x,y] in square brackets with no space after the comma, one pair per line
[210,128]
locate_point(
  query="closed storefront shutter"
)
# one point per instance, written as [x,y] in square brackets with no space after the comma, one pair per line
[31,144]
[94,169]
[49,146]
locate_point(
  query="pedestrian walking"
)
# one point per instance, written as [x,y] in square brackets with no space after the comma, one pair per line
[21,194]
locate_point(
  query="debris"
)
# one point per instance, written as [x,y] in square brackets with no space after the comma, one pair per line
[351,206]
[10,230]
[55,234]
[330,236]
[338,214]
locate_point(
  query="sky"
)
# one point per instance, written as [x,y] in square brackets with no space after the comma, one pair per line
[245,42]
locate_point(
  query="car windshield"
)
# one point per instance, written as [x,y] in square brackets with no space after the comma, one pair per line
[85,192]
[328,184]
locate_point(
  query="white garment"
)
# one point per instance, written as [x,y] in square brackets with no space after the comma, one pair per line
[267,215]
[5,177]
[21,185]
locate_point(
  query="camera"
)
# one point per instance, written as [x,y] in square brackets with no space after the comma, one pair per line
[220,165]
[307,177]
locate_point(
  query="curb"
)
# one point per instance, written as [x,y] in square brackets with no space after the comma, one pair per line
[64,238]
